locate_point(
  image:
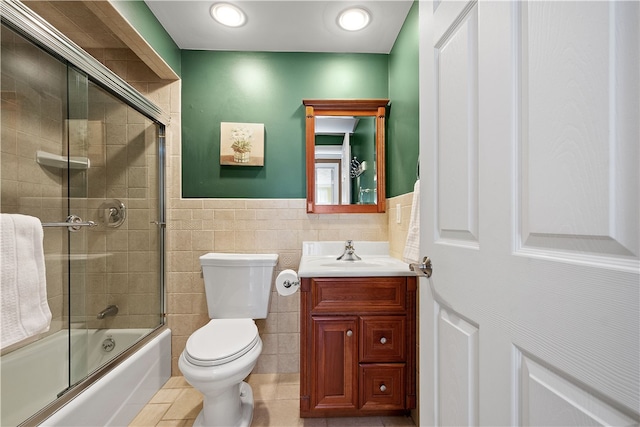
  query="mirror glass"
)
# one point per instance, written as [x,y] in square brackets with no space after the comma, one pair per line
[345,155]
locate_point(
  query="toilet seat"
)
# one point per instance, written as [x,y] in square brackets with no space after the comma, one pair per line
[221,341]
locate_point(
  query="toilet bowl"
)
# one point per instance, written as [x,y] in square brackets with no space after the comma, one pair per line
[216,360]
[221,354]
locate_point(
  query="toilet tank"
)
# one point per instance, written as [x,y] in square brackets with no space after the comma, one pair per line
[238,285]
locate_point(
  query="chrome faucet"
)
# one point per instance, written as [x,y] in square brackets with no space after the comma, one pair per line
[112,310]
[349,252]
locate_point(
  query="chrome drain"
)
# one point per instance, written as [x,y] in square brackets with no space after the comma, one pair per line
[108,344]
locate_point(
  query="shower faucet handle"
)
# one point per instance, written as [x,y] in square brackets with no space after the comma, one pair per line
[113,213]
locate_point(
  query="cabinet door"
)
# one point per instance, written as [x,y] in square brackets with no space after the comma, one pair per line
[334,362]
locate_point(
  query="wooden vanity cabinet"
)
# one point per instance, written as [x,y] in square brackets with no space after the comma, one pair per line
[358,346]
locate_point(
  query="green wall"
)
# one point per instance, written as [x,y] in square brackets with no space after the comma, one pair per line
[268,88]
[403,123]
[145,22]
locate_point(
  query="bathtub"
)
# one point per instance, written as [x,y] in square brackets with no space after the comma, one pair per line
[31,381]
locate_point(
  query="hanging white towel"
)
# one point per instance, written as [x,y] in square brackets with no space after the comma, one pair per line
[412,246]
[24,309]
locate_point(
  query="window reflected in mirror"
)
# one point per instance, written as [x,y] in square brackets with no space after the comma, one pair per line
[328,185]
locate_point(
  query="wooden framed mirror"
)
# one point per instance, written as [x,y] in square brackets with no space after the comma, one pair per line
[345,155]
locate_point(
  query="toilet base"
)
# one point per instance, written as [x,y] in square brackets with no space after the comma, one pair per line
[246,410]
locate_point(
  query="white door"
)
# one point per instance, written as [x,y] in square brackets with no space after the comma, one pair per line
[530,213]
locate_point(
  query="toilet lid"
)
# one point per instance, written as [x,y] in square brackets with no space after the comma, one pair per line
[220,341]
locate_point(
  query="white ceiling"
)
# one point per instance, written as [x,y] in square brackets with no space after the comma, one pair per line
[282,26]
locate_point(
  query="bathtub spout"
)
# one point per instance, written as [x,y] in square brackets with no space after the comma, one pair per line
[112,310]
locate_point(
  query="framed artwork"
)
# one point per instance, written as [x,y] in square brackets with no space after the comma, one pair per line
[241,144]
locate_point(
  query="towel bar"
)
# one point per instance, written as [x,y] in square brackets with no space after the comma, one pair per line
[73,223]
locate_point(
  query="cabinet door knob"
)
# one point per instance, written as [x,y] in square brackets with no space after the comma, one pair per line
[383,340]
[383,388]
[349,333]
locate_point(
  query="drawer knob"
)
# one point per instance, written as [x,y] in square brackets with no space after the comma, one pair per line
[349,333]
[383,388]
[383,340]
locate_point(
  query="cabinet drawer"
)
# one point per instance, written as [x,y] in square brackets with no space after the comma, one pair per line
[382,386]
[358,294]
[382,339]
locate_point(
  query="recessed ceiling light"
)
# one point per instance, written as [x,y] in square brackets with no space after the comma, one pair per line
[228,14]
[354,19]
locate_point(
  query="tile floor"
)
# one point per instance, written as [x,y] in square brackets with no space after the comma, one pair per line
[276,405]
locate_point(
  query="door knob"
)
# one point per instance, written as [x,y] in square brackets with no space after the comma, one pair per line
[349,333]
[383,340]
[423,268]
[383,388]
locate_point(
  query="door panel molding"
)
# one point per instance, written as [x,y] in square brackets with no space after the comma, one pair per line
[568,158]
[457,135]
[453,13]
[458,376]
[546,396]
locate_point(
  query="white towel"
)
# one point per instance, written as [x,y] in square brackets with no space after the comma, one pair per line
[24,309]
[412,246]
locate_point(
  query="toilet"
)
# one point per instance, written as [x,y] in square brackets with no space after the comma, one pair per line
[221,354]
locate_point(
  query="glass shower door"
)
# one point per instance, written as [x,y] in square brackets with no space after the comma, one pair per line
[115,292]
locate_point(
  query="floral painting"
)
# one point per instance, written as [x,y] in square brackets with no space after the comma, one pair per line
[242,144]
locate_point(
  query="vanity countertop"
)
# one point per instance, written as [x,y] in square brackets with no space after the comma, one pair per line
[319,260]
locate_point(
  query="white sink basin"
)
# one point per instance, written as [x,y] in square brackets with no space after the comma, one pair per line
[319,260]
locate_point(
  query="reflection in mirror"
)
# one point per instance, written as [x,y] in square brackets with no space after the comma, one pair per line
[345,148]
[347,143]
